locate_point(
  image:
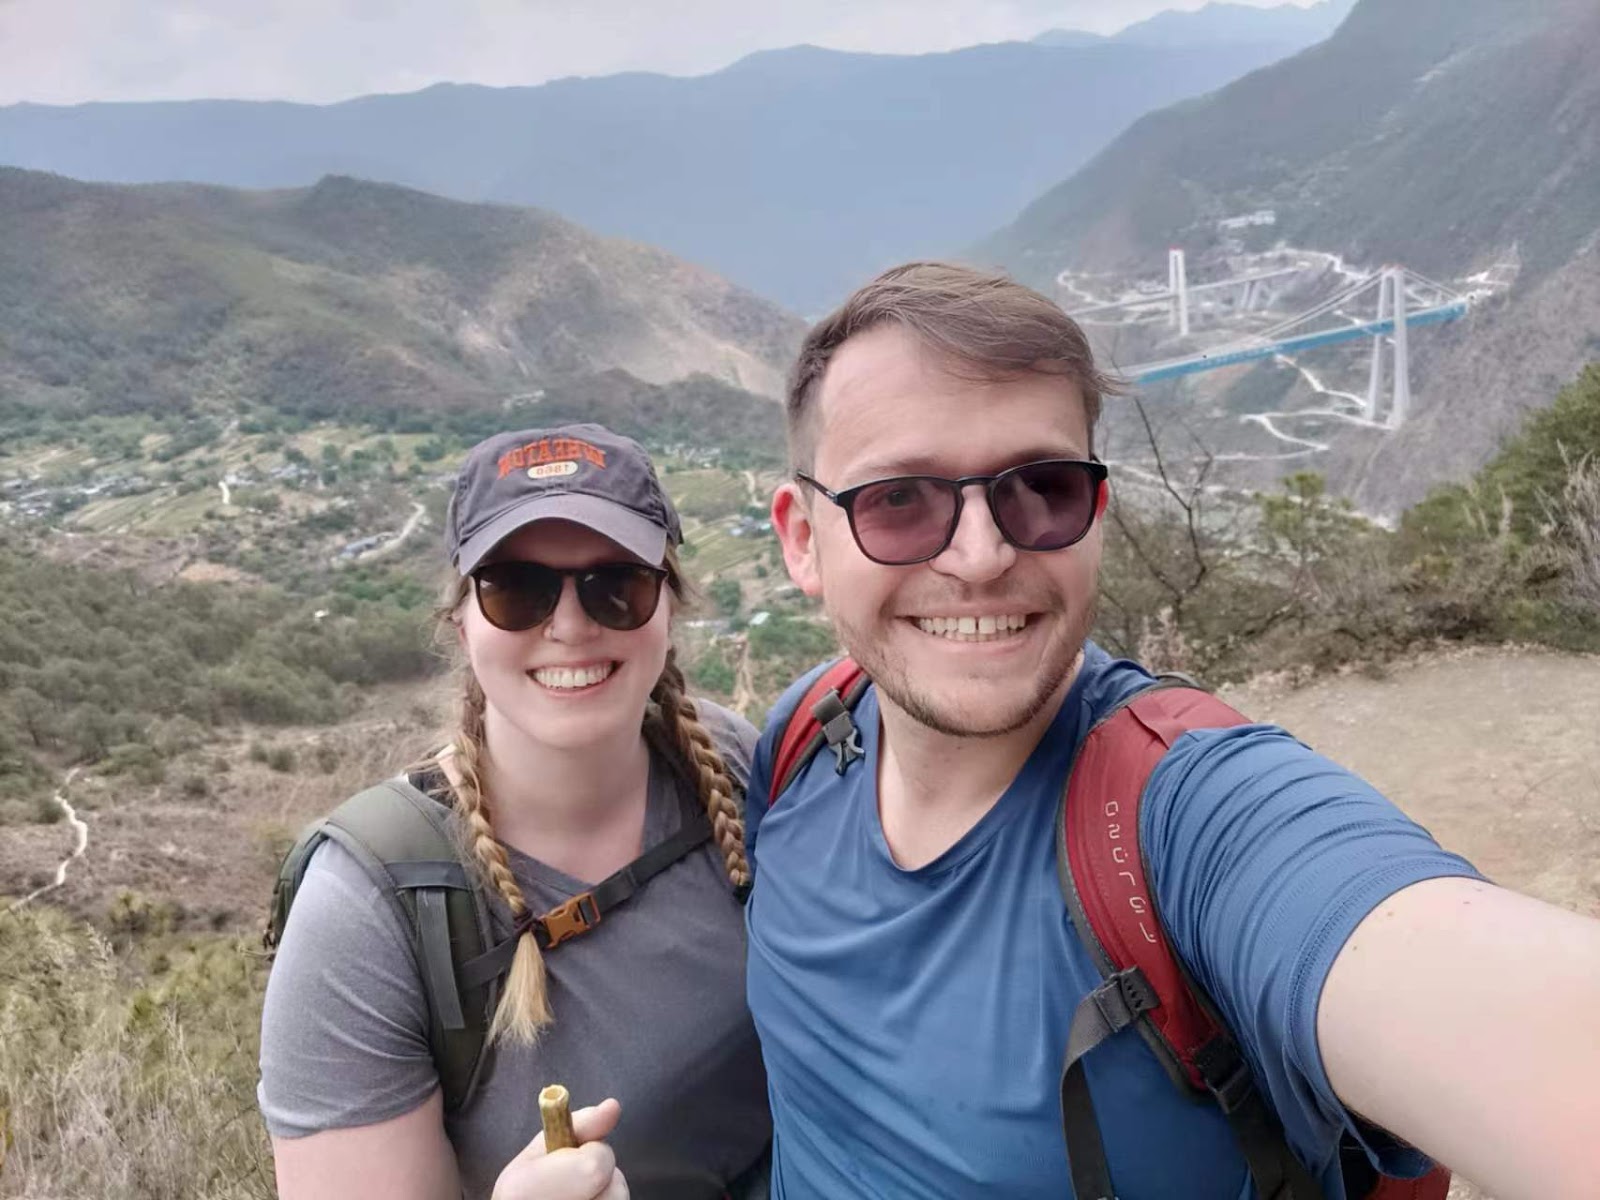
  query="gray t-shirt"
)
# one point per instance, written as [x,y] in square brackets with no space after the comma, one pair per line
[649,1007]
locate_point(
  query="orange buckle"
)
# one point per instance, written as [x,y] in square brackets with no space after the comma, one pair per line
[568,919]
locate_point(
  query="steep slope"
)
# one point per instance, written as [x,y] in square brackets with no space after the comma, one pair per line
[796,172]
[1423,129]
[1445,134]
[341,297]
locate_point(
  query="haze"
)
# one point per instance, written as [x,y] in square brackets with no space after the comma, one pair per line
[55,52]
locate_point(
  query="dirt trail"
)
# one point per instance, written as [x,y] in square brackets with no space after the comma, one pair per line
[1495,751]
[744,696]
[80,843]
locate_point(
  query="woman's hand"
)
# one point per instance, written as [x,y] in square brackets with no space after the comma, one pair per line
[587,1172]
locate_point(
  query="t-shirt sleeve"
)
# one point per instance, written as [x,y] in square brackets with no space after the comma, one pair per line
[344,1029]
[1265,857]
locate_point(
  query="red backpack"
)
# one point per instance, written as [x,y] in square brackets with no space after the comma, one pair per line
[1103,878]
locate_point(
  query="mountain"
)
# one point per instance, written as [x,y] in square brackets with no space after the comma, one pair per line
[797,173]
[344,297]
[1452,136]
[1286,26]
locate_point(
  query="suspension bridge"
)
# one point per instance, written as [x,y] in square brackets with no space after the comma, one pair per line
[1391,302]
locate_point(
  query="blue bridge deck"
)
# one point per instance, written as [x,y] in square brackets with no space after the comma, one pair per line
[1229,356]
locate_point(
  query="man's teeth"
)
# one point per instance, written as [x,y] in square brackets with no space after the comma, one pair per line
[972,629]
[572,677]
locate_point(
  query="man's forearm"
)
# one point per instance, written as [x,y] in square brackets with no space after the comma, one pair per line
[1461,1017]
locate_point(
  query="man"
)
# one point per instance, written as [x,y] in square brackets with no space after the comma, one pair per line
[913,969]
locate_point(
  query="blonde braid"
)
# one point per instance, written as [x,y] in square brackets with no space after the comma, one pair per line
[680,722]
[524,1008]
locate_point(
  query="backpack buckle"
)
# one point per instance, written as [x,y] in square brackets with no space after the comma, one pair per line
[838,730]
[1233,1091]
[570,918]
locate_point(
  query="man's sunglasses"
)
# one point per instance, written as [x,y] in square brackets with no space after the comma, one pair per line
[516,596]
[910,519]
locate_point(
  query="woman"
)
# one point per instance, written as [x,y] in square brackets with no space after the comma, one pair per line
[576,753]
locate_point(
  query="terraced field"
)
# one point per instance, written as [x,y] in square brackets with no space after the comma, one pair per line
[717,549]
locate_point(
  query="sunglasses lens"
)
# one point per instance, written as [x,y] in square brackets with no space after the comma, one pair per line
[620,596]
[904,520]
[516,595]
[1047,505]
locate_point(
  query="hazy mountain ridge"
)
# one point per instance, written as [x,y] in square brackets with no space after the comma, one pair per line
[342,297]
[1448,135]
[1285,25]
[795,172]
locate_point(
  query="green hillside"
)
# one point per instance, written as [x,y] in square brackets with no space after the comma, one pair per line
[344,299]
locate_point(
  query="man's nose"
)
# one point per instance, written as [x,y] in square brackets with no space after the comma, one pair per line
[978,552]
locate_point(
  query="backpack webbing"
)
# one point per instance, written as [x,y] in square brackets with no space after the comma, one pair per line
[401,840]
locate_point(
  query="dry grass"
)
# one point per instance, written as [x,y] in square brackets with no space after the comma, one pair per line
[1578,511]
[126,1082]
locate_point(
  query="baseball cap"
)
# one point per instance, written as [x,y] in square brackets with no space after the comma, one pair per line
[582,473]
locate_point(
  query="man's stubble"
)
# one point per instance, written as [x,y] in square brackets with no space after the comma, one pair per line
[895,679]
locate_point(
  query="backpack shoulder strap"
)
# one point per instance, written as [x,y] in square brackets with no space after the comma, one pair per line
[821,718]
[1104,879]
[403,842]
[1101,861]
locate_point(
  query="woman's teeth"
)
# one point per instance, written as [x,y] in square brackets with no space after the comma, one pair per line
[573,677]
[972,629]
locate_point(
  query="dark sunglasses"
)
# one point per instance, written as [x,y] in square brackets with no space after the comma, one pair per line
[516,596]
[909,519]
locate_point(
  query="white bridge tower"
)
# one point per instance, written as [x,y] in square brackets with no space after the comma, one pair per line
[1178,285]
[1391,304]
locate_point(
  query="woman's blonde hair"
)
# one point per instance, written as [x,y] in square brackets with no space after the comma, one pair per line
[671,722]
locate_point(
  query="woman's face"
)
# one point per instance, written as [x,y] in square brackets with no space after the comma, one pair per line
[569,682]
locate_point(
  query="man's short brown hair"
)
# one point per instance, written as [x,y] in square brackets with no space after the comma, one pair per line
[979,320]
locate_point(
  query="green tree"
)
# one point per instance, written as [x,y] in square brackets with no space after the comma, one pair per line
[727,595]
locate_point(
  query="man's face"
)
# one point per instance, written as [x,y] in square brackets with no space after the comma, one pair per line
[889,406]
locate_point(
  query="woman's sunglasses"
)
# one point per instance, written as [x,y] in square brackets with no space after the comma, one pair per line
[516,596]
[910,519]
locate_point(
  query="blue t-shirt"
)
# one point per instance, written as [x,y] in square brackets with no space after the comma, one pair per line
[914,1022]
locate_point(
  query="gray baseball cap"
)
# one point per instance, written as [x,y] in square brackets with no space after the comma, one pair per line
[580,473]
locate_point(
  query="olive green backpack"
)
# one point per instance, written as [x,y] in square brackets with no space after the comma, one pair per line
[403,840]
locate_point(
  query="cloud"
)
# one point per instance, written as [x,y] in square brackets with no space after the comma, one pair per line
[69,51]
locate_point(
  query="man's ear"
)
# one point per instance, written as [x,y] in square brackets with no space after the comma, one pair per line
[791,518]
[1103,500]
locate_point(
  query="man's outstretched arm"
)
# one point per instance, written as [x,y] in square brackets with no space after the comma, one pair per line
[1465,1018]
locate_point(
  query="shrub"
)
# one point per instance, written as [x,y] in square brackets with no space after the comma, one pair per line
[111,1085]
[133,913]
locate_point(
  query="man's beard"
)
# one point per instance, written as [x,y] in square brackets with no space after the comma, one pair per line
[895,679]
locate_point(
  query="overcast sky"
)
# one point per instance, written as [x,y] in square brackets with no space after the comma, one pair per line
[68,51]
